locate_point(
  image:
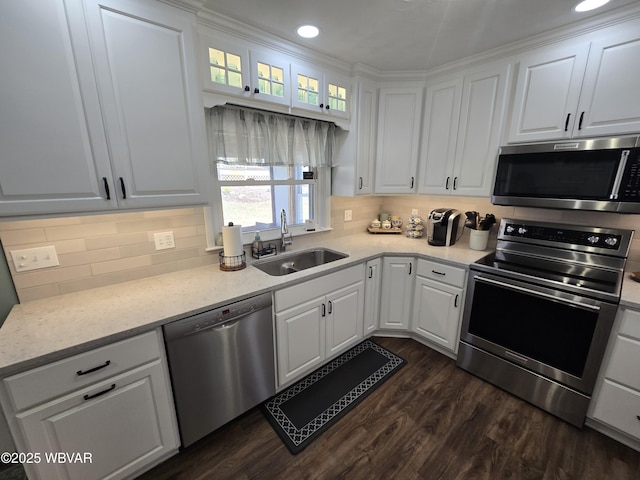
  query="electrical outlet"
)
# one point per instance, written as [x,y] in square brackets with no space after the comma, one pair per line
[348,215]
[414,211]
[34,258]
[164,240]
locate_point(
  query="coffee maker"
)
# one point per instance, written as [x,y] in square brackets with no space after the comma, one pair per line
[442,227]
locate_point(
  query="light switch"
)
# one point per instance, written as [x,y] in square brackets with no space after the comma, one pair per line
[34,258]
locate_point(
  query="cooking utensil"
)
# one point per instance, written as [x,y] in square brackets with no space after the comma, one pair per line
[486,222]
[472,220]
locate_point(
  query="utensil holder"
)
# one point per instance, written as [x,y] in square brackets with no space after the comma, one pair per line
[478,239]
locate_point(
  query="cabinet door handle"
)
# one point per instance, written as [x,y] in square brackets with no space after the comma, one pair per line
[370,272]
[324,310]
[412,180]
[438,273]
[455,183]
[124,190]
[330,307]
[322,105]
[89,397]
[410,267]
[256,90]
[361,183]
[566,122]
[446,185]
[580,121]
[327,106]
[106,188]
[246,88]
[94,369]
[455,302]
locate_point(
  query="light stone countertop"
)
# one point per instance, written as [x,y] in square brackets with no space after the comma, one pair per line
[46,330]
[43,331]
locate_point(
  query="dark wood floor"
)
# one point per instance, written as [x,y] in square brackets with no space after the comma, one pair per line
[431,420]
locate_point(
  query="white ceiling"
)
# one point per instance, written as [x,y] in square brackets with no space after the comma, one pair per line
[391,35]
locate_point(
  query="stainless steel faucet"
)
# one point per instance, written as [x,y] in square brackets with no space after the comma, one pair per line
[284,231]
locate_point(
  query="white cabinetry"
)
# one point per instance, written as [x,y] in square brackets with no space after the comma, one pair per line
[235,68]
[316,320]
[372,286]
[320,91]
[398,139]
[579,88]
[398,274]
[113,403]
[462,126]
[437,303]
[354,173]
[106,127]
[616,400]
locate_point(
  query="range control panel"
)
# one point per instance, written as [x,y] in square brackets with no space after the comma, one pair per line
[562,236]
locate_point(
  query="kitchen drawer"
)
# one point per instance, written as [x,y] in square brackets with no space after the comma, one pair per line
[64,376]
[624,362]
[442,273]
[619,407]
[630,325]
[305,291]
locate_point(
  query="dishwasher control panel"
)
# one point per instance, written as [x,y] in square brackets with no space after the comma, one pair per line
[217,317]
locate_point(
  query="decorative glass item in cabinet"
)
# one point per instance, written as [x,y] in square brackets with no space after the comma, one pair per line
[225,68]
[337,96]
[308,90]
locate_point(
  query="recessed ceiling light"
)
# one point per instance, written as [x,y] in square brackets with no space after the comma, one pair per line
[308,31]
[587,5]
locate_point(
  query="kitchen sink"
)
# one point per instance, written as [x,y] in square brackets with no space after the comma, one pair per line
[294,262]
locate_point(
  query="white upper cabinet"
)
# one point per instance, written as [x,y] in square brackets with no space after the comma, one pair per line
[398,140]
[54,150]
[579,88]
[114,122]
[235,69]
[463,121]
[356,147]
[320,91]
[145,63]
[610,97]
[439,136]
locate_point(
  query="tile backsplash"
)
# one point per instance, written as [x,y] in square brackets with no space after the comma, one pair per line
[99,250]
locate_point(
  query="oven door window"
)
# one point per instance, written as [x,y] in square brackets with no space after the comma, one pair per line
[588,175]
[548,331]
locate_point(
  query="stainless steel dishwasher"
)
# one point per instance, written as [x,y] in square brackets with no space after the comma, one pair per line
[221,363]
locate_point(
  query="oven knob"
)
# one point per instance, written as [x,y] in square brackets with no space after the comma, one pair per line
[522,230]
[510,229]
[593,239]
[611,241]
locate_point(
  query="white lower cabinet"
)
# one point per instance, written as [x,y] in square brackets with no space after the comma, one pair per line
[372,287]
[317,320]
[398,274]
[109,415]
[437,304]
[616,399]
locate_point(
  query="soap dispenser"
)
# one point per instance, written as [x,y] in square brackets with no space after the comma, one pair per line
[256,247]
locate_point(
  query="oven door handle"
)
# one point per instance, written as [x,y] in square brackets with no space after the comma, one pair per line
[535,292]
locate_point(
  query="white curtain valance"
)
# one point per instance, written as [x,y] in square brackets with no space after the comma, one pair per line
[244,136]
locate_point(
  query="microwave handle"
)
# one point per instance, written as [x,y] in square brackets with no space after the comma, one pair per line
[621,169]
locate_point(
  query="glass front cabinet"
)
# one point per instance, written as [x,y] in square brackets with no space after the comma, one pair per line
[319,91]
[252,73]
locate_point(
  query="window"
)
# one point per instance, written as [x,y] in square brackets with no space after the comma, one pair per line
[265,163]
[254,195]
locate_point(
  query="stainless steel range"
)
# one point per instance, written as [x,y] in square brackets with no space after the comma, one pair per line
[540,309]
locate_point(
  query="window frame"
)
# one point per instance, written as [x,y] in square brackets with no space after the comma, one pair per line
[214,217]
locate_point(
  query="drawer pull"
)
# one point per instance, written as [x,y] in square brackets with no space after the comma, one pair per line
[89,397]
[438,273]
[94,369]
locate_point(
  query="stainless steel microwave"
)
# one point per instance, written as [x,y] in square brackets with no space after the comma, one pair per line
[597,174]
